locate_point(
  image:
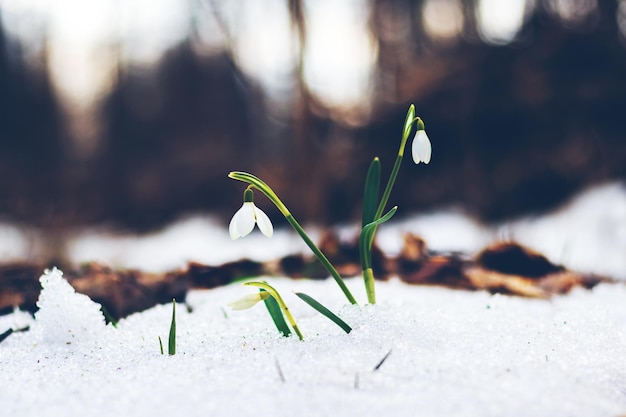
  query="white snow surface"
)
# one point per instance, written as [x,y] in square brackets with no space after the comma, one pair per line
[452,353]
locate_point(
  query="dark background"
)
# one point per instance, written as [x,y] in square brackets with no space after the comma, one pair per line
[517,127]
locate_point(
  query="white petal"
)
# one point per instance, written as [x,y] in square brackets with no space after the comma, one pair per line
[245,302]
[232,227]
[264,222]
[245,219]
[421,148]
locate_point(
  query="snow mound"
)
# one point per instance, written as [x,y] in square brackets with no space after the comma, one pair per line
[66,317]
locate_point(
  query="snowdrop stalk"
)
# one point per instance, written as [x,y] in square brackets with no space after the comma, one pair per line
[257,183]
[421,153]
[271,291]
[408,124]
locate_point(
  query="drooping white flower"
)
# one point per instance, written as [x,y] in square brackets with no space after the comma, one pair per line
[245,218]
[421,148]
[248,301]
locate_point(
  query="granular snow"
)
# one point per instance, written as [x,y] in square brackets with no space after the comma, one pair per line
[452,353]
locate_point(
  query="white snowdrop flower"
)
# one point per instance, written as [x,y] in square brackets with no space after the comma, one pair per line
[248,301]
[245,218]
[421,148]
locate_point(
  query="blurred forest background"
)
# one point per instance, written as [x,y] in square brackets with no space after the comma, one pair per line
[132,112]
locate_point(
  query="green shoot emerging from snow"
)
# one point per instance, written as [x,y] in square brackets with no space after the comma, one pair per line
[421,152]
[269,291]
[278,310]
[324,311]
[171,341]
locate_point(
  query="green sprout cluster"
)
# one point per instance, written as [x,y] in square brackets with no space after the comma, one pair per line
[373,215]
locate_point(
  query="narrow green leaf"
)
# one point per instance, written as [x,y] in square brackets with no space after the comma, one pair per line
[372,190]
[161,345]
[324,311]
[366,237]
[277,315]
[171,344]
[6,334]
[108,316]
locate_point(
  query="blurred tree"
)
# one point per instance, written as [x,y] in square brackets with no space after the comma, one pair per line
[30,138]
[516,127]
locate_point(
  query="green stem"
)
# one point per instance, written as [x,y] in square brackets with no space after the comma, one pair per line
[387,192]
[366,253]
[391,182]
[269,193]
[368,278]
[408,123]
[322,258]
[280,302]
[261,186]
[368,274]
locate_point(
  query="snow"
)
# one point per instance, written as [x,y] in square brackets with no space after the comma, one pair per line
[64,316]
[453,352]
[198,238]
[588,235]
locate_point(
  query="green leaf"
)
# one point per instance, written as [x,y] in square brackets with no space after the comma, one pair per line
[161,345]
[108,316]
[372,190]
[6,334]
[277,315]
[367,234]
[324,311]
[171,343]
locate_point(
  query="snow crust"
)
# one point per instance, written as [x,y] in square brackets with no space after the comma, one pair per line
[452,353]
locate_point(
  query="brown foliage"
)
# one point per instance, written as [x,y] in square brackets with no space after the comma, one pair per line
[507,268]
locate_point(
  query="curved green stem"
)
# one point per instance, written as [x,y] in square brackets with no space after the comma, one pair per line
[269,193]
[280,302]
[261,186]
[322,258]
[408,123]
